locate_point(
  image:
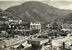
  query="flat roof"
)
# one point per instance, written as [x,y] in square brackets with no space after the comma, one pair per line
[21,30]
[37,39]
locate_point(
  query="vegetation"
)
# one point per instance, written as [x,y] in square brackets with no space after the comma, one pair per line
[36,11]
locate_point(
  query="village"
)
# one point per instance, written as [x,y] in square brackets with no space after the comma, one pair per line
[19,35]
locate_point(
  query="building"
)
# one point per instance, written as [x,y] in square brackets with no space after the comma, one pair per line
[43,26]
[67,25]
[4,23]
[3,20]
[48,25]
[15,21]
[35,27]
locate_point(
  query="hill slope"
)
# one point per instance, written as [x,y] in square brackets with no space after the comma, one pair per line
[36,11]
[68,17]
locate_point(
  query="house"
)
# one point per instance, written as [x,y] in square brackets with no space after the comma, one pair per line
[35,27]
[3,20]
[25,25]
[43,26]
[67,25]
[48,25]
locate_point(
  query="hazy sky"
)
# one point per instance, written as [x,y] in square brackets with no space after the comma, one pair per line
[62,4]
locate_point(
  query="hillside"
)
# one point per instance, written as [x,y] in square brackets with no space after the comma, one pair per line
[68,17]
[36,11]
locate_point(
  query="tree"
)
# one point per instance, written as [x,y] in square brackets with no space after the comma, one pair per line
[1,12]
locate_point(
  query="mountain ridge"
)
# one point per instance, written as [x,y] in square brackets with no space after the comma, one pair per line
[36,11]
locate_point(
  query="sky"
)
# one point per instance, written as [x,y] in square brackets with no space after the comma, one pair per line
[61,4]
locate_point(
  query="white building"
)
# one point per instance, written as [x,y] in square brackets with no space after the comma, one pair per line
[49,25]
[35,25]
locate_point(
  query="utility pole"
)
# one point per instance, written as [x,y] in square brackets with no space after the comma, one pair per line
[63,47]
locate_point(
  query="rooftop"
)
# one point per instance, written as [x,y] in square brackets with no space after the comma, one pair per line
[38,39]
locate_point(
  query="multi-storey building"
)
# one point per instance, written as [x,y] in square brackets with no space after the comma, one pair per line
[35,27]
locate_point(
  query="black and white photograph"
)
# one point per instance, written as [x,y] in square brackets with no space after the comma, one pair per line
[35,24]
